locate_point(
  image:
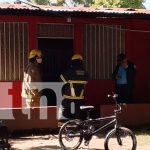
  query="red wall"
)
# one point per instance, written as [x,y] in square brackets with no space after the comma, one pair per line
[137,48]
[97,91]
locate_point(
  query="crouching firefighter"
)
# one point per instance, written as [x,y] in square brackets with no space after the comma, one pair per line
[75,79]
[32,77]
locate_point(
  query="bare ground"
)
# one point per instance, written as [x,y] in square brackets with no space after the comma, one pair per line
[50,142]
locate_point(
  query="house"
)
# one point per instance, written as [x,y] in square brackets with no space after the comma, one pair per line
[98,34]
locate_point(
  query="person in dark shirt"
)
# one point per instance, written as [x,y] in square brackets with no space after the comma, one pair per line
[75,79]
[124,75]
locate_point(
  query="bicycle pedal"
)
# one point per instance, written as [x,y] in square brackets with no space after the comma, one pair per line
[86,143]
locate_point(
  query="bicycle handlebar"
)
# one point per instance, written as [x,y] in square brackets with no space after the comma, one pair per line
[118,106]
[119,109]
[113,96]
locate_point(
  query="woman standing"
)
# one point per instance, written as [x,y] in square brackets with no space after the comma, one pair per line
[124,75]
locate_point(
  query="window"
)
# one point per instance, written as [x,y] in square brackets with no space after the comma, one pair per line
[102,44]
[13,50]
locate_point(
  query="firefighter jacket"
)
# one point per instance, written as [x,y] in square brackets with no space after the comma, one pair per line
[75,81]
[30,81]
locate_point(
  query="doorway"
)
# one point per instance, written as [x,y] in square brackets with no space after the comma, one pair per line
[56,56]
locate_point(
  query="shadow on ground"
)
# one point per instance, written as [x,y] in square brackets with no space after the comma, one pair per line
[51,147]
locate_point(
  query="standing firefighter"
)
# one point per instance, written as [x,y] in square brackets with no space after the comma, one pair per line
[32,77]
[75,79]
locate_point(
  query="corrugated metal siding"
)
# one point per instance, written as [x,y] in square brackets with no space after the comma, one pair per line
[55,30]
[102,44]
[13,50]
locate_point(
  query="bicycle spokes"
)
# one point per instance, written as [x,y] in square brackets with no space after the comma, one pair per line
[122,139]
[118,136]
[70,137]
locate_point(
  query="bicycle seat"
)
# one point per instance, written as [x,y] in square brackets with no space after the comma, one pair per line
[86,107]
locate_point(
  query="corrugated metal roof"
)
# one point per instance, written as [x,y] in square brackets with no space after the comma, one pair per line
[74,9]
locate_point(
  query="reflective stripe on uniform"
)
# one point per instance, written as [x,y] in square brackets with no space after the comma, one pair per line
[82,92]
[73,97]
[72,90]
[63,79]
[77,82]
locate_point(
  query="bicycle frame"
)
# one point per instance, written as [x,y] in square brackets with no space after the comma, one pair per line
[114,121]
[91,122]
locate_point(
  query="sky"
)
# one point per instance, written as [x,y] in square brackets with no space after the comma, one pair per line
[146,4]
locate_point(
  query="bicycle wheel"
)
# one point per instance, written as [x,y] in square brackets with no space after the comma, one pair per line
[120,139]
[70,135]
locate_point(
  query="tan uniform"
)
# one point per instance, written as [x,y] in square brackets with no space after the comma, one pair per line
[30,86]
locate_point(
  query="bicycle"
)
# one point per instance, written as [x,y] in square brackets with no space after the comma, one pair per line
[73,132]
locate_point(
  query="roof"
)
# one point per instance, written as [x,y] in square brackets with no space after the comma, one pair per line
[120,12]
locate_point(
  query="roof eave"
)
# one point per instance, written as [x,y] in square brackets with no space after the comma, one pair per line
[81,14]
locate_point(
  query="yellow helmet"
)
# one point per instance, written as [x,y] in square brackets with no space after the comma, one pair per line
[35,52]
[77,56]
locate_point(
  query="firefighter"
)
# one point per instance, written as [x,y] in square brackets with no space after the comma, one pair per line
[32,75]
[75,79]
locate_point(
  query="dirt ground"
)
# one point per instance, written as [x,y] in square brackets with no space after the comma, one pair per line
[50,142]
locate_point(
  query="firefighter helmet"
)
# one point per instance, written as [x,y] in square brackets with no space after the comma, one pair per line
[76,56]
[35,52]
